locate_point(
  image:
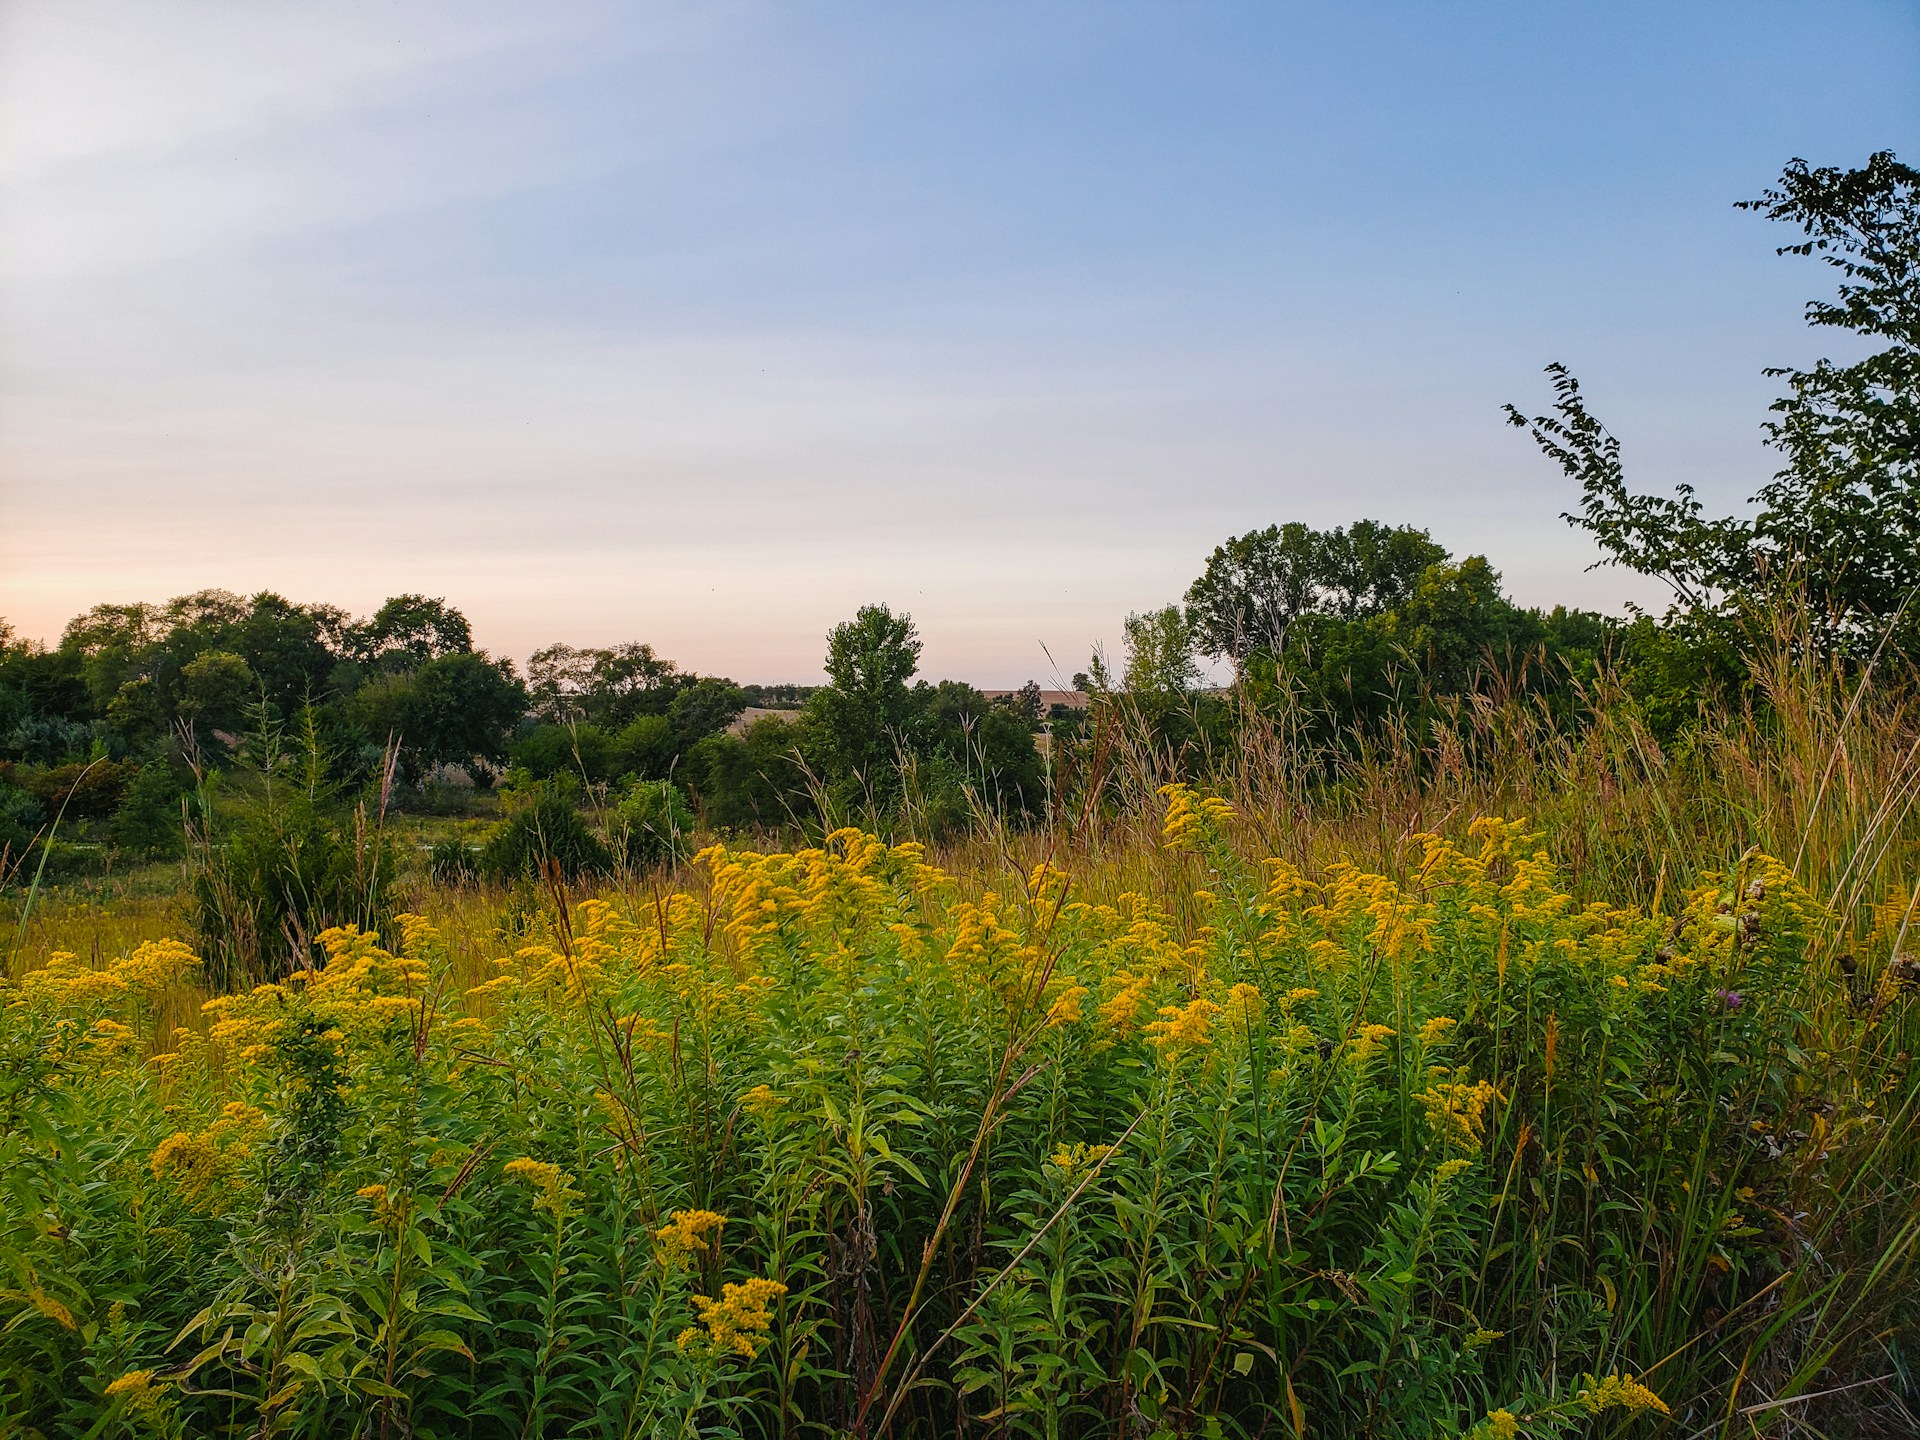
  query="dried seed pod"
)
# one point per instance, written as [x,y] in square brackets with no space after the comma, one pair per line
[1757,891]
[1849,967]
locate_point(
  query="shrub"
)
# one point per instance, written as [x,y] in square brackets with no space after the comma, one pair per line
[1189,1136]
[547,830]
[265,886]
[149,822]
[652,824]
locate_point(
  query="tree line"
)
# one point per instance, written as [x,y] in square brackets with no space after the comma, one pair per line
[1352,630]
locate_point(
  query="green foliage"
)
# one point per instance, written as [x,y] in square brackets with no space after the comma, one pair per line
[546,832]
[269,874]
[1331,1155]
[652,824]
[608,686]
[1842,521]
[410,631]
[149,822]
[583,750]
[20,819]
[215,689]
[459,709]
[453,862]
[1255,586]
[863,714]
[755,780]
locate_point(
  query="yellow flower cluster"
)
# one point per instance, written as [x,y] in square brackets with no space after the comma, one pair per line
[552,1187]
[841,886]
[363,992]
[686,1234]
[204,1168]
[1072,1160]
[1368,1041]
[1433,1031]
[1457,1111]
[761,1101]
[1065,1008]
[144,1396]
[1621,1392]
[736,1323]
[1191,818]
[67,982]
[1183,1026]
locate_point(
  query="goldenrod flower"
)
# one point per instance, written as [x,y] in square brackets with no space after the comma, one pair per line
[1369,1040]
[736,1323]
[1457,1111]
[685,1232]
[1619,1392]
[1181,1026]
[1191,817]
[761,1101]
[552,1186]
[1065,1010]
[1070,1160]
[1435,1030]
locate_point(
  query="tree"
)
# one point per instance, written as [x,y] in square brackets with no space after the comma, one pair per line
[411,630]
[652,824]
[609,686]
[865,709]
[1842,518]
[1255,586]
[148,821]
[547,832]
[290,648]
[990,746]
[705,707]
[460,709]
[215,689]
[1161,662]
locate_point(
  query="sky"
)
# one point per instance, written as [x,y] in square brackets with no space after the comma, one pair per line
[704,324]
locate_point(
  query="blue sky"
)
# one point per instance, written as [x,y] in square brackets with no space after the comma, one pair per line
[704,324]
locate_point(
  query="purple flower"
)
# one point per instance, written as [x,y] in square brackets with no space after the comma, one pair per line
[1732,999]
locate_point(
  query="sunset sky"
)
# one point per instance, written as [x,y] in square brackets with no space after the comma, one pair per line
[703,324]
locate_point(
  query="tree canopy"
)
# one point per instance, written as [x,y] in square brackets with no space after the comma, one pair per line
[1840,521]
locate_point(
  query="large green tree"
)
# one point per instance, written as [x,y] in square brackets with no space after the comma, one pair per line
[865,709]
[1255,586]
[1841,520]
[460,709]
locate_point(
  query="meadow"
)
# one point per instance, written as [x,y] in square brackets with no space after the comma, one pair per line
[1509,1078]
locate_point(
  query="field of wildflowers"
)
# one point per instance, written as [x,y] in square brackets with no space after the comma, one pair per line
[842,1142]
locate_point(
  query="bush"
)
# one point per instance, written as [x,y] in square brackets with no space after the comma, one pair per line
[548,830]
[265,887]
[20,819]
[148,822]
[653,824]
